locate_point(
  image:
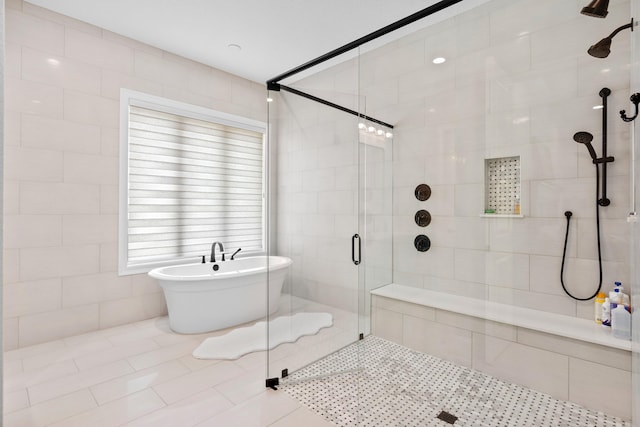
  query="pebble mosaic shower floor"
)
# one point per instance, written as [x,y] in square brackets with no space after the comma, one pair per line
[396,386]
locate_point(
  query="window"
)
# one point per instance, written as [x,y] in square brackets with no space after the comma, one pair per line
[189,176]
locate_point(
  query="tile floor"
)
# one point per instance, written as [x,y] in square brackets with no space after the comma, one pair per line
[143,374]
[385,384]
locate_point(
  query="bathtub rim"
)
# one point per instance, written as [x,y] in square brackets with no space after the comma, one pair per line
[160,275]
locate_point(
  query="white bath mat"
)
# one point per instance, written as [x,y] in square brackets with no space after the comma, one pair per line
[241,341]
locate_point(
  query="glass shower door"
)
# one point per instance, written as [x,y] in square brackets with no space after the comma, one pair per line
[314,217]
[635,250]
[375,215]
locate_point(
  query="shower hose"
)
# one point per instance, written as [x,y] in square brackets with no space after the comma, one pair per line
[566,239]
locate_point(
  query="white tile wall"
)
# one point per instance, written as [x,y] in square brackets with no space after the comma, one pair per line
[586,376]
[33,98]
[42,327]
[442,341]
[31,31]
[23,302]
[34,165]
[61,168]
[505,359]
[55,134]
[517,81]
[32,231]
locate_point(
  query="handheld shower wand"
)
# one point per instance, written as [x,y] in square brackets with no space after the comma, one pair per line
[586,138]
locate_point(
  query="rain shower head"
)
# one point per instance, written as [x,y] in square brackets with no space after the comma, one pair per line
[597,9]
[602,49]
[586,138]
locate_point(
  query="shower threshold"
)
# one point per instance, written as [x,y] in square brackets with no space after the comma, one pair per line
[377,382]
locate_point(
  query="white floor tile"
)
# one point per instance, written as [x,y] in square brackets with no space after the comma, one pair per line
[163,354]
[116,413]
[138,333]
[15,400]
[39,376]
[302,417]
[107,355]
[102,335]
[12,367]
[166,340]
[64,353]
[82,380]
[34,350]
[187,412]
[196,364]
[143,374]
[137,381]
[252,361]
[243,387]
[51,411]
[264,409]
[182,387]
[130,372]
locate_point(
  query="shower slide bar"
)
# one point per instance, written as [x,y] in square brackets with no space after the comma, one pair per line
[604,200]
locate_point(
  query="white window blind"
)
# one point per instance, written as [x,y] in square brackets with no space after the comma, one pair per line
[191,182]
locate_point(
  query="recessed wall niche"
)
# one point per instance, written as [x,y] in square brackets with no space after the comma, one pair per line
[502,186]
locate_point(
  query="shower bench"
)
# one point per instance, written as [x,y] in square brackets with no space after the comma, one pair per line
[567,357]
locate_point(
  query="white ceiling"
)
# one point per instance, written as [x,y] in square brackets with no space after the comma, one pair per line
[274,35]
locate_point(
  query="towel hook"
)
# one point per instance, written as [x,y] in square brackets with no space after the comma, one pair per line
[635,98]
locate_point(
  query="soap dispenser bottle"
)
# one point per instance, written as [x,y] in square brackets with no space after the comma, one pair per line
[606,312]
[621,322]
[599,301]
[624,298]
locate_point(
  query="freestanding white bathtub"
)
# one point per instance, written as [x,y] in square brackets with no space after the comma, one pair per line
[200,299]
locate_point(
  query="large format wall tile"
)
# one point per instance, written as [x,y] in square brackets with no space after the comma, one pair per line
[522,365]
[444,341]
[586,377]
[524,90]
[42,327]
[62,168]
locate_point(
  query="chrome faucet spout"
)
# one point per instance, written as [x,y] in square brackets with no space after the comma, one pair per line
[213,251]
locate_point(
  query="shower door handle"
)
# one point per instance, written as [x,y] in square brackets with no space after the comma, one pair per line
[353,249]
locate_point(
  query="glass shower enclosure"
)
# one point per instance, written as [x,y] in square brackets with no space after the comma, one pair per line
[330,180]
[484,101]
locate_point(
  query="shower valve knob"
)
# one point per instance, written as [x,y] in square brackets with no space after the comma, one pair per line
[422,243]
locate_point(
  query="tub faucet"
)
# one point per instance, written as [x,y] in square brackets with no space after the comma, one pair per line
[213,251]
